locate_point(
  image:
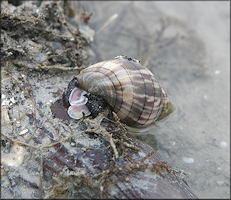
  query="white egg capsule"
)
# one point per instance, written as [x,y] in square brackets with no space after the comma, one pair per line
[78,102]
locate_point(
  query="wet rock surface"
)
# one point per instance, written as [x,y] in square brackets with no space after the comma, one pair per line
[46,154]
[43,35]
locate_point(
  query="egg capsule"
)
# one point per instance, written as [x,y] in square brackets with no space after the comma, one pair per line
[78,102]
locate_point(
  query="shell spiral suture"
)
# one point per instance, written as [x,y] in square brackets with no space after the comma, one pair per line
[130,88]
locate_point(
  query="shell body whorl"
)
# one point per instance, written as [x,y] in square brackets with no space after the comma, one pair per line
[130,88]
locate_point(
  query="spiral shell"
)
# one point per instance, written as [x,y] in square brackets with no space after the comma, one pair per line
[130,88]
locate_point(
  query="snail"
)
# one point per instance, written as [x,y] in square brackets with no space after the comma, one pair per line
[129,88]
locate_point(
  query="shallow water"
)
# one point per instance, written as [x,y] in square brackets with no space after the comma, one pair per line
[187,46]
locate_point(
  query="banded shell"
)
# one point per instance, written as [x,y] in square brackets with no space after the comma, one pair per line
[130,88]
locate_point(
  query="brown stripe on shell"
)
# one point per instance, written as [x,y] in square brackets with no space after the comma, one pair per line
[157,104]
[90,81]
[127,89]
[119,90]
[147,117]
[137,103]
[116,98]
[141,110]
